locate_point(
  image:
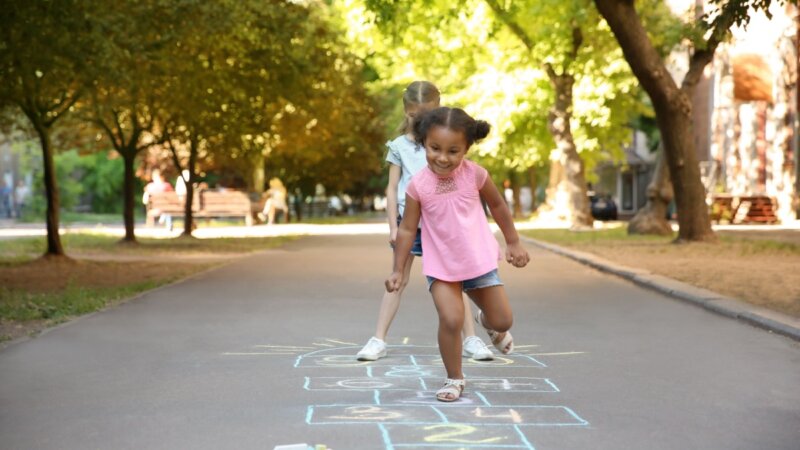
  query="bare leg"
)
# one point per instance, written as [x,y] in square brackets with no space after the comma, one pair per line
[447,298]
[391,303]
[497,314]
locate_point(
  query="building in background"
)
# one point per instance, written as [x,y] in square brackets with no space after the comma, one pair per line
[745,124]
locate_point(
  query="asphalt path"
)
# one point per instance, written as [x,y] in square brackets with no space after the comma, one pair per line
[260,353]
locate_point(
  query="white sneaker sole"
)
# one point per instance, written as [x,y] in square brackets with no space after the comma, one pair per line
[486,357]
[371,357]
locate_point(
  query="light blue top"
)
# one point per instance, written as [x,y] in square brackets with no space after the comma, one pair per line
[410,156]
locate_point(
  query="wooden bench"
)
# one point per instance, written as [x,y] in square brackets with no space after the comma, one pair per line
[755,209]
[206,204]
[722,208]
[743,209]
[164,203]
[225,204]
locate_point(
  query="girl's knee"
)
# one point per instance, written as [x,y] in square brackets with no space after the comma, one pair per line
[501,323]
[451,323]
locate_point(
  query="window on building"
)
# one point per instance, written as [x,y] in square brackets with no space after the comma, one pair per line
[627,191]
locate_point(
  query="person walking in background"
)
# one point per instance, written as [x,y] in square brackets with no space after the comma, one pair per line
[275,201]
[406,157]
[5,199]
[22,195]
[460,252]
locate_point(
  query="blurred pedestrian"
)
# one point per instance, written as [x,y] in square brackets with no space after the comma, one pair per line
[22,194]
[5,198]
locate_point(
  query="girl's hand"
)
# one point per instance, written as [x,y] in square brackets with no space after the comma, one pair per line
[517,256]
[394,281]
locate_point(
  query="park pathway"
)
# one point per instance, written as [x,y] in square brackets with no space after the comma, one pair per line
[260,353]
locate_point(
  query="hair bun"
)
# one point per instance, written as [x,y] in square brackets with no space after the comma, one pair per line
[481,129]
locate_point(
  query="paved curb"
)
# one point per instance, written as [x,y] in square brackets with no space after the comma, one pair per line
[712,301]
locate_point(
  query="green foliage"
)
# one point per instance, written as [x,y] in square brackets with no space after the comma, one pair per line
[723,14]
[68,171]
[103,178]
[490,57]
[97,175]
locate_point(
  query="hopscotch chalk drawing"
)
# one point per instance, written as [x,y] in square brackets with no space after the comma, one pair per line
[398,396]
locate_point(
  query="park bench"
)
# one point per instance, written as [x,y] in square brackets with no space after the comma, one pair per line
[221,204]
[743,209]
[166,203]
[206,205]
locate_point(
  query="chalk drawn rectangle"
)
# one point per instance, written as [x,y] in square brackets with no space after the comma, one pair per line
[362,383]
[455,435]
[350,361]
[375,414]
[505,361]
[502,384]
[469,414]
[521,415]
[426,398]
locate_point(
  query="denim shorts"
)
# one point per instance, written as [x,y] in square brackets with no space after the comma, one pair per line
[416,247]
[488,279]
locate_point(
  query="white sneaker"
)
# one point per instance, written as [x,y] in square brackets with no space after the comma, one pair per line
[475,348]
[374,350]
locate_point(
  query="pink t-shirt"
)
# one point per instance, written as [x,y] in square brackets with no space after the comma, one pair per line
[457,243]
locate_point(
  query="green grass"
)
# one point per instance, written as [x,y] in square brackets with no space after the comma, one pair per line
[73,217]
[21,306]
[42,309]
[23,249]
[608,235]
[69,217]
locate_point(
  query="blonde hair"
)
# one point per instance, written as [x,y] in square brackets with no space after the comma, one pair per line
[418,93]
[276,183]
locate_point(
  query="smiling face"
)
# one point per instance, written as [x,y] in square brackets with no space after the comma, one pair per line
[445,149]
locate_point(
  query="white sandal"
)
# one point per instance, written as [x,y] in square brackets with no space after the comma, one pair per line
[504,344]
[453,387]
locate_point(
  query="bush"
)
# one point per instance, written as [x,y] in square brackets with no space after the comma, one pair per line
[93,181]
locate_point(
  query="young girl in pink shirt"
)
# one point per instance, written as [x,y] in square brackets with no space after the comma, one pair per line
[459,249]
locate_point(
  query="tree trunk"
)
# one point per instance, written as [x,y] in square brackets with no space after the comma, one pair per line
[552,196]
[673,113]
[532,184]
[652,219]
[675,124]
[574,180]
[513,179]
[54,247]
[188,215]
[258,180]
[129,196]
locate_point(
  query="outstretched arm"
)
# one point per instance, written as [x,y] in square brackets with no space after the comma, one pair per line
[405,239]
[392,210]
[515,252]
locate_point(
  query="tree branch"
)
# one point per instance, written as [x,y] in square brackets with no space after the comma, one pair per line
[702,57]
[515,28]
[63,106]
